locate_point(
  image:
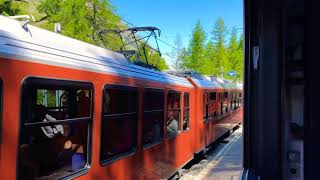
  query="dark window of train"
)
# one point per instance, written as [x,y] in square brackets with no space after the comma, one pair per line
[119,122]
[55,132]
[173,114]
[235,100]
[221,103]
[1,94]
[213,98]
[225,95]
[238,100]
[225,102]
[205,106]
[186,111]
[153,117]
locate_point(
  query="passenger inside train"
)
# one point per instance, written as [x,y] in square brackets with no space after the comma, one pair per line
[173,109]
[153,116]
[63,144]
[186,111]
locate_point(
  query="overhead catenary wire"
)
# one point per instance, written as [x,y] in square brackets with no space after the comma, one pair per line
[160,40]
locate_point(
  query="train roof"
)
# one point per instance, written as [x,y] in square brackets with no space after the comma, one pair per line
[199,80]
[29,43]
[224,83]
[207,84]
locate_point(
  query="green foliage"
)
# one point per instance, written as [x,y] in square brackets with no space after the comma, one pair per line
[232,51]
[196,49]
[239,68]
[50,8]
[81,19]
[217,56]
[153,59]
[218,38]
[11,7]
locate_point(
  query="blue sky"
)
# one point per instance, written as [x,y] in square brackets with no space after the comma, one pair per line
[179,16]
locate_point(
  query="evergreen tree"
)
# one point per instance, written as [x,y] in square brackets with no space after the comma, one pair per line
[233,53]
[218,38]
[185,58]
[209,58]
[196,49]
[239,68]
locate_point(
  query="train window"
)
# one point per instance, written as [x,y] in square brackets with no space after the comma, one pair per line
[205,106]
[221,103]
[186,111]
[1,94]
[212,111]
[235,100]
[119,122]
[173,116]
[153,117]
[213,96]
[55,128]
[225,95]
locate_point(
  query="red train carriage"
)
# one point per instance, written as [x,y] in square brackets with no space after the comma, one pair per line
[73,110]
[217,110]
[207,109]
[231,111]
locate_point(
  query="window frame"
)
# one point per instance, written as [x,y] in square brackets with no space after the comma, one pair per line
[150,89]
[167,111]
[45,82]
[133,150]
[184,109]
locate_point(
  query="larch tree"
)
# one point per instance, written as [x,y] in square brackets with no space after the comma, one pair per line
[207,67]
[239,67]
[218,38]
[185,56]
[233,53]
[196,49]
